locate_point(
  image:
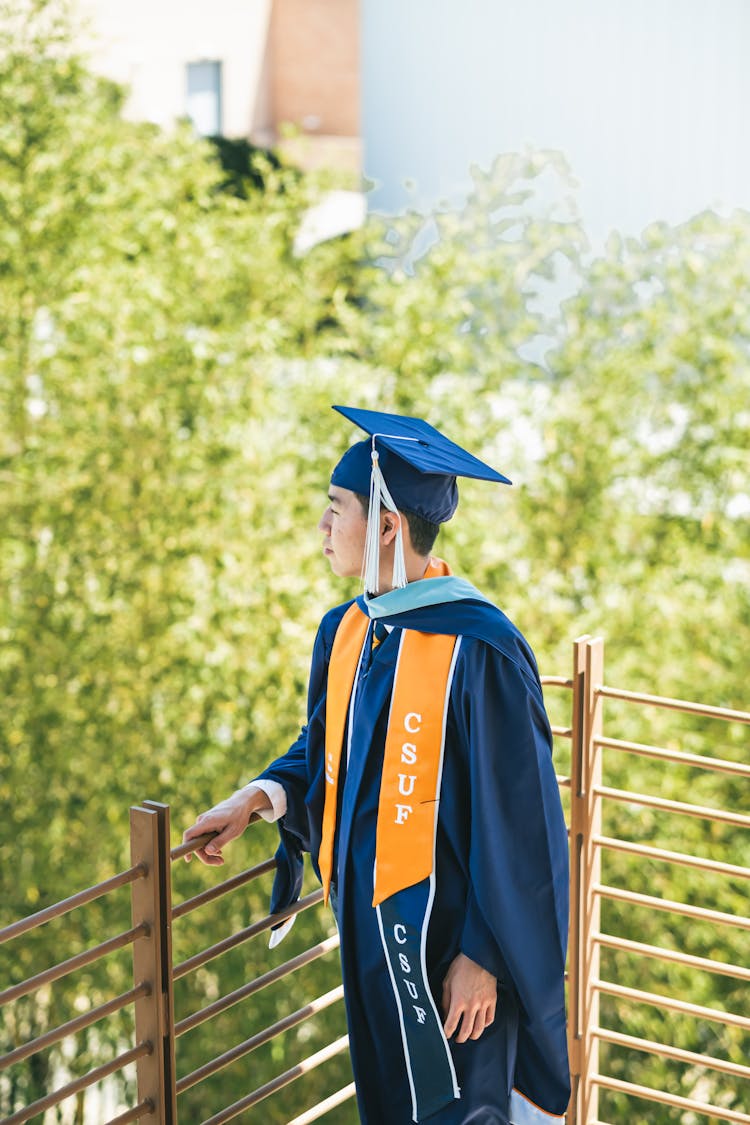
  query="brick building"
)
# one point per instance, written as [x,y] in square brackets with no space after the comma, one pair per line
[271,70]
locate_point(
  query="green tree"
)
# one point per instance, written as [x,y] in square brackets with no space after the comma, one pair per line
[167,364]
[642,486]
[644,510]
[146,319]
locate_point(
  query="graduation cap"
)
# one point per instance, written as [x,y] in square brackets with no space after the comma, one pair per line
[407,465]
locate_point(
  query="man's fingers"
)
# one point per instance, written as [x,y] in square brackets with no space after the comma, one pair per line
[481,1022]
[210,852]
[226,821]
[461,1021]
[212,860]
[469,999]
[225,832]
[472,1025]
[206,822]
[468,1022]
[451,1022]
[451,1010]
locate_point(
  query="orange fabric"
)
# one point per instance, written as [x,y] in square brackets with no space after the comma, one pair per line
[410,782]
[342,669]
[413,752]
[437,568]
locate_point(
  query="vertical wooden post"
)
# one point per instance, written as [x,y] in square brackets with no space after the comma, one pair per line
[165,937]
[573,1116]
[585,859]
[153,1018]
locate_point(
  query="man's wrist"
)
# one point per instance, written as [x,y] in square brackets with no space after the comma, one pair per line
[275,794]
[254,802]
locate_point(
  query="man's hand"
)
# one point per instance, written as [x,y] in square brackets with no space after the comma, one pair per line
[469,999]
[229,818]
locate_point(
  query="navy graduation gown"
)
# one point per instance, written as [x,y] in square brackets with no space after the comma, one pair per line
[501,874]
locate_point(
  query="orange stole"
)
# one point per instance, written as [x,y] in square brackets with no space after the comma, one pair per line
[412,765]
[342,668]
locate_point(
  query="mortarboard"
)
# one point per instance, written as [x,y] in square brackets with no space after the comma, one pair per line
[408,465]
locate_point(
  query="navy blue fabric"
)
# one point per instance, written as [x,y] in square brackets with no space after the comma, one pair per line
[418,463]
[420,444]
[433,497]
[501,866]
[404,917]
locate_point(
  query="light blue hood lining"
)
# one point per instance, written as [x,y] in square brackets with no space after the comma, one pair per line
[428,591]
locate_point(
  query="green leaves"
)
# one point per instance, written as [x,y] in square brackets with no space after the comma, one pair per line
[167,366]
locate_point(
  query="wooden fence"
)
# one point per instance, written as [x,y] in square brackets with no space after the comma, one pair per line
[603,1001]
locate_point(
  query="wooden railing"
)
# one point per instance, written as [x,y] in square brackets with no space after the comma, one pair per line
[590,798]
[597,1041]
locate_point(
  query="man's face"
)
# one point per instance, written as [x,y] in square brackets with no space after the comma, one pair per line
[344,526]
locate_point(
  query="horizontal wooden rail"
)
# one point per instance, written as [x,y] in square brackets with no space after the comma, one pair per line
[676,757]
[556,681]
[674,956]
[86,1080]
[224,888]
[191,846]
[684,908]
[667,1051]
[703,812]
[253,986]
[308,1064]
[72,1027]
[264,1036]
[731,1115]
[329,1103]
[143,1109]
[23,925]
[656,999]
[244,935]
[673,704]
[645,850]
[23,988]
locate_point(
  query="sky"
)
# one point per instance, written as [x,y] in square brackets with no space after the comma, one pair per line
[648,99]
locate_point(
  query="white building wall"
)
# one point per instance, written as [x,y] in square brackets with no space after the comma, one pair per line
[649,99]
[147,44]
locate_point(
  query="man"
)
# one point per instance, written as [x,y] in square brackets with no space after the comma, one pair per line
[423,787]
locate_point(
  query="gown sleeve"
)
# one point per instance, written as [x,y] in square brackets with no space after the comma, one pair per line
[517,913]
[297,772]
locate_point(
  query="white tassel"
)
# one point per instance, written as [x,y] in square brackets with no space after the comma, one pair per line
[399,579]
[371,573]
[371,570]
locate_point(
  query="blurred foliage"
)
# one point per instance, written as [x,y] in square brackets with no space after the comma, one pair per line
[167,365]
[245,164]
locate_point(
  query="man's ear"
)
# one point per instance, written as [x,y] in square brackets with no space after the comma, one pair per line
[389,525]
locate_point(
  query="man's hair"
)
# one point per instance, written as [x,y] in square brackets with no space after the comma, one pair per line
[421,532]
